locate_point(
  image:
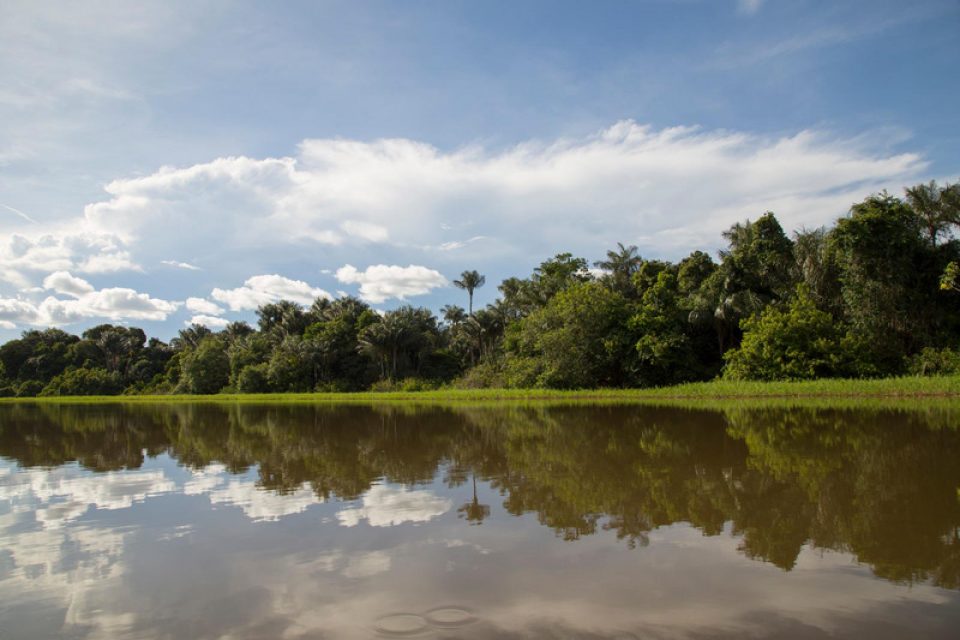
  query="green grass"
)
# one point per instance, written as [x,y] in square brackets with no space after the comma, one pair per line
[906,388]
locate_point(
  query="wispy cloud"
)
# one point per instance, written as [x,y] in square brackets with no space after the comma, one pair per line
[180,265]
[18,212]
[737,53]
[749,7]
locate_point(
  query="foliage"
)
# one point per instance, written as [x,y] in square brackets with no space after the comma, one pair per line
[796,342]
[578,340]
[84,382]
[934,362]
[253,379]
[206,368]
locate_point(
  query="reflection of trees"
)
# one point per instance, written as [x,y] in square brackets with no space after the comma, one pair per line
[881,485]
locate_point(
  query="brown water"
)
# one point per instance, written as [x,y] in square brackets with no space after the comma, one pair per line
[585,522]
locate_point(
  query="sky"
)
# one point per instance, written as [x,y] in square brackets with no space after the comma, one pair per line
[163,163]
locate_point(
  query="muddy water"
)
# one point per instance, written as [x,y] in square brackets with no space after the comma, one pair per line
[564,522]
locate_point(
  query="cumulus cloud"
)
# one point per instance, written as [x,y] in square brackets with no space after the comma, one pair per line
[62,251]
[381,282]
[113,303]
[65,283]
[200,305]
[669,188]
[666,190]
[260,290]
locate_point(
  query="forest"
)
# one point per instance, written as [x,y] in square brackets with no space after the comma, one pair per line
[875,295]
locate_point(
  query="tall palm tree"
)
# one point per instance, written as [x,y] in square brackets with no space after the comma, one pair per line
[622,264]
[470,280]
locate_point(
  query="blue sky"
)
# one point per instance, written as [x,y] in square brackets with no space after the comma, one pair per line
[165,161]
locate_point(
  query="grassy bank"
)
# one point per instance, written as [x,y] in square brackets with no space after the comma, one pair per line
[915,388]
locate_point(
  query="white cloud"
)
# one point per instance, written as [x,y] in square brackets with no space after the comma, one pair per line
[15,311]
[677,188]
[385,506]
[381,282]
[260,290]
[180,265]
[212,322]
[109,263]
[200,305]
[63,282]
[60,250]
[114,303]
[666,190]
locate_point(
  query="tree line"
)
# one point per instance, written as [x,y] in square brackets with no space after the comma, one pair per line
[877,294]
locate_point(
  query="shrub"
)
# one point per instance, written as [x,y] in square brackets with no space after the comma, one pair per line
[84,382]
[29,389]
[253,379]
[794,343]
[934,362]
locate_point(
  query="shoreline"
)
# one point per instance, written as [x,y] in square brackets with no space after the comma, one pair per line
[903,388]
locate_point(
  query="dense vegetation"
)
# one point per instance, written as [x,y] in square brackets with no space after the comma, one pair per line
[876,295]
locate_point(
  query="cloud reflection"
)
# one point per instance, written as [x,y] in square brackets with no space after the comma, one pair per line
[385,506]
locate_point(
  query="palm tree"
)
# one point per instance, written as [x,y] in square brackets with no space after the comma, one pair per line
[937,207]
[453,314]
[470,280]
[621,264]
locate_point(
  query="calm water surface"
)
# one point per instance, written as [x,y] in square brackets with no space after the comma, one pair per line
[586,522]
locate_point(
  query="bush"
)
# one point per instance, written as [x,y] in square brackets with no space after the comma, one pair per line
[934,362]
[406,384]
[84,382]
[523,372]
[253,379]
[29,389]
[419,384]
[385,385]
[486,375]
[798,342]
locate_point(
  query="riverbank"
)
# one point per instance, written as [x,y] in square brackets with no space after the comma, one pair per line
[833,389]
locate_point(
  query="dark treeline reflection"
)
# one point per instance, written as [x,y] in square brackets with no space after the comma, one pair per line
[882,485]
